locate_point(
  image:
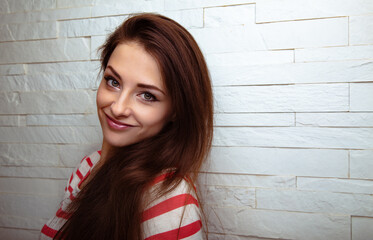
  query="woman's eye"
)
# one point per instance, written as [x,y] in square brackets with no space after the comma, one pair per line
[112,82]
[148,97]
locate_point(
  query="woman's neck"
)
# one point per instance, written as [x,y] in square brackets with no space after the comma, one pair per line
[105,149]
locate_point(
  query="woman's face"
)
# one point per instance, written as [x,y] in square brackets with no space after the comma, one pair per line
[132,100]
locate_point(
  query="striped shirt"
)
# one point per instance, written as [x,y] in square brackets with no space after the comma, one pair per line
[161,219]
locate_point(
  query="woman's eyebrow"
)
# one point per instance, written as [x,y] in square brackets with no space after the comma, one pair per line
[114,72]
[141,85]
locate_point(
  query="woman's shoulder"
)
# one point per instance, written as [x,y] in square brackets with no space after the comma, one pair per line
[180,189]
[82,170]
[174,212]
[89,160]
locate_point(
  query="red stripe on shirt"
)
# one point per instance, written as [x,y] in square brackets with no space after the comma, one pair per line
[160,178]
[168,205]
[183,232]
[80,175]
[62,214]
[48,231]
[71,178]
[89,162]
[81,181]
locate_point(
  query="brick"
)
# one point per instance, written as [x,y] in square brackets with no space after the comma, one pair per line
[361,29]
[48,81]
[334,53]
[9,100]
[74,3]
[180,4]
[63,120]
[96,42]
[254,119]
[12,69]
[4,7]
[33,186]
[105,25]
[50,134]
[361,97]
[249,58]
[89,27]
[302,137]
[114,7]
[64,67]
[39,51]
[19,205]
[28,154]
[9,120]
[26,6]
[272,10]
[30,224]
[305,33]
[279,224]
[315,201]
[229,15]
[335,185]
[361,227]
[228,196]
[327,72]
[89,135]
[48,102]
[241,180]
[361,164]
[349,119]
[278,161]
[190,18]
[22,121]
[228,39]
[19,234]
[282,98]
[46,15]
[5,99]
[36,172]
[71,155]
[28,31]
[13,83]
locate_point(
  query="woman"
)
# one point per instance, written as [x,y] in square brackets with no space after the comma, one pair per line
[155,108]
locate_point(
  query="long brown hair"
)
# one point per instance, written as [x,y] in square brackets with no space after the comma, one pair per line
[110,205]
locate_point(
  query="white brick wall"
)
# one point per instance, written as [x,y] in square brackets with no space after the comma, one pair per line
[293,88]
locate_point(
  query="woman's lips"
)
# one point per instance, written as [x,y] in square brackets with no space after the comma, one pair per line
[115,125]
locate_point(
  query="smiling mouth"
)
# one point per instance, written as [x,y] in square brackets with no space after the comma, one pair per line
[116,125]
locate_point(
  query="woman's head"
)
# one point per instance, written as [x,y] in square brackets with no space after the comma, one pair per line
[184,79]
[132,101]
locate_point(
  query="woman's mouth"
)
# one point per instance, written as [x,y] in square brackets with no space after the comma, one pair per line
[115,124]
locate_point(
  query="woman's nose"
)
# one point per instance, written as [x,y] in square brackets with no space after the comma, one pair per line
[122,105]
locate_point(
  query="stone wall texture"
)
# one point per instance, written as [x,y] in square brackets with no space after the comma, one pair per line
[292,154]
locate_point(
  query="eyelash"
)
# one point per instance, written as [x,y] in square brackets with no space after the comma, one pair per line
[107,79]
[153,98]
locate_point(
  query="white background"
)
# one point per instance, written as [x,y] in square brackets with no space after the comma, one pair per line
[293,90]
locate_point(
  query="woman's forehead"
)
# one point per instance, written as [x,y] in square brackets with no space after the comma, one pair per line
[131,61]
